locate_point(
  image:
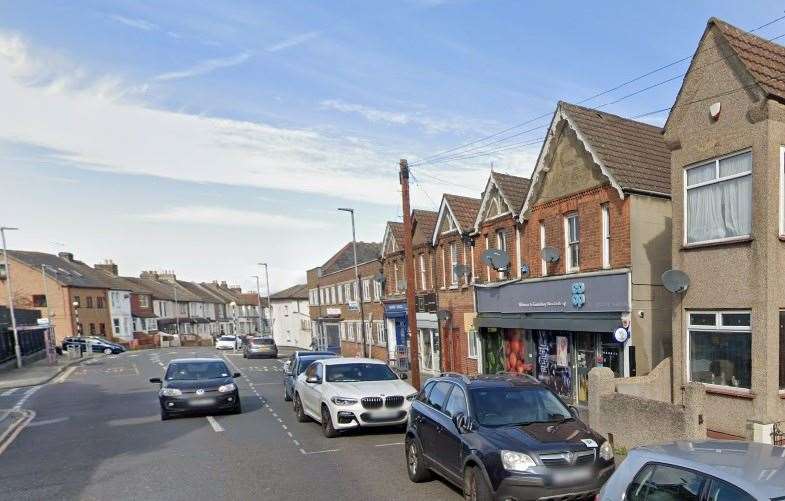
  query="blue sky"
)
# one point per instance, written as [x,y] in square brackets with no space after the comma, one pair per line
[207,136]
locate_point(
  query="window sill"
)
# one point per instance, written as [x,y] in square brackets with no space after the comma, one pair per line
[730,392]
[720,243]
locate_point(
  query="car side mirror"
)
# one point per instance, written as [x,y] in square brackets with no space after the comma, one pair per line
[403,376]
[573,411]
[236,374]
[313,380]
[155,380]
[462,422]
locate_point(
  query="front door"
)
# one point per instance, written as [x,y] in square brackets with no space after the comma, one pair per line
[448,438]
[332,336]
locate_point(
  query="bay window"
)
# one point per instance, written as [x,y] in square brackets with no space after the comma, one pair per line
[720,348]
[718,199]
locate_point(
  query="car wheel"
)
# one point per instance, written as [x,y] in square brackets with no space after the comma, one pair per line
[327,423]
[107,351]
[415,464]
[475,488]
[286,396]
[165,416]
[245,355]
[298,410]
[238,407]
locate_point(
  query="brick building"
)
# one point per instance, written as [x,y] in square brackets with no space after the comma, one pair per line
[335,300]
[394,294]
[594,238]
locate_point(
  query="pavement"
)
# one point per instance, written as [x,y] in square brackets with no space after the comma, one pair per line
[35,373]
[97,434]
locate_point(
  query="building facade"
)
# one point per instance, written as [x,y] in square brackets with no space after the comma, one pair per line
[291,317]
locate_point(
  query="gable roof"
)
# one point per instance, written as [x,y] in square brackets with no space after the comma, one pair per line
[393,238]
[222,292]
[513,190]
[344,258]
[299,291]
[205,294]
[165,291]
[463,210]
[68,273]
[424,223]
[632,155]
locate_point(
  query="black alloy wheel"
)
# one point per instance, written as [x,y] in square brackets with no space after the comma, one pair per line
[327,423]
[298,409]
[415,465]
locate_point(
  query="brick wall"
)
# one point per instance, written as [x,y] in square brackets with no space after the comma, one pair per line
[489,229]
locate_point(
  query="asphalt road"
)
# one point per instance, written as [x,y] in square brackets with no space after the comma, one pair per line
[97,434]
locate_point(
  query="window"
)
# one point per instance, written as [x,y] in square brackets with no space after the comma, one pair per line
[572,242]
[501,240]
[444,267]
[382,333]
[454,262]
[377,290]
[606,236]
[474,343]
[723,491]
[718,199]
[438,394]
[101,328]
[487,268]
[423,275]
[355,295]
[656,482]
[89,302]
[144,301]
[99,302]
[366,290]
[719,348]
[39,301]
[116,323]
[456,403]
[92,329]
[544,264]
[340,294]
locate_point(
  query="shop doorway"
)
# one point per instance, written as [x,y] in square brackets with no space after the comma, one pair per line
[429,350]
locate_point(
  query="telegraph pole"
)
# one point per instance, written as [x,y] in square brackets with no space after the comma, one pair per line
[408,258]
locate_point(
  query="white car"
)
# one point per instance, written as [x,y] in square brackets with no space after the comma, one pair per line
[344,393]
[226,343]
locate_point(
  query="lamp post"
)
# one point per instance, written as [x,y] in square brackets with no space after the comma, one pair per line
[17,351]
[357,278]
[258,303]
[269,304]
[176,311]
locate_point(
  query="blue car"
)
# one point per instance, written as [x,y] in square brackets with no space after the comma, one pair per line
[296,365]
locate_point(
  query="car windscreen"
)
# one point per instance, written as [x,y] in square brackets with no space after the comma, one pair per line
[261,341]
[194,371]
[306,361]
[346,373]
[227,338]
[505,406]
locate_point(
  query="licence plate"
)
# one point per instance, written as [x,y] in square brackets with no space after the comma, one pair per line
[571,476]
[202,402]
[384,415]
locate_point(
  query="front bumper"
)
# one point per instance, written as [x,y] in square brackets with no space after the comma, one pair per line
[353,416]
[539,486]
[223,347]
[210,401]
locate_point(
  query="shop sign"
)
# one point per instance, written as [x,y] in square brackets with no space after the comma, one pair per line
[334,312]
[353,306]
[621,334]
[589,294]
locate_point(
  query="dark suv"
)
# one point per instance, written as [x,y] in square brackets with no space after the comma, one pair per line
[504,437]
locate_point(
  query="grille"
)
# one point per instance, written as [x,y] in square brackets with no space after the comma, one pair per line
[560,459]
[372,402]
[393,401]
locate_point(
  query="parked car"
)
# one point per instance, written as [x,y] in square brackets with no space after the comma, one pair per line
[197,385]
[260,347]
[296,365]
[710,470]
[226,343]
[344,393]
[98,344]
[504,437]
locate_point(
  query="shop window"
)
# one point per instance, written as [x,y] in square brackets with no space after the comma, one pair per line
[718,199]
[572,242]
[89,302]
[606,236]
[473,344]
[39,301]
[720,351]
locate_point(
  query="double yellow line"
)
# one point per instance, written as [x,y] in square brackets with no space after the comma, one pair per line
[9,435]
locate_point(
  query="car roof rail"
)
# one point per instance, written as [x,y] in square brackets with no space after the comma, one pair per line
[463,377]
[519,374]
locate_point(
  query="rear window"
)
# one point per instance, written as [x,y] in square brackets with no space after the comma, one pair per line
[261,341]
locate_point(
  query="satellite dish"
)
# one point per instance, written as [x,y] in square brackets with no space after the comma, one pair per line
[443,314]
[461,270]
[675,281]
[496,259]
[549,254]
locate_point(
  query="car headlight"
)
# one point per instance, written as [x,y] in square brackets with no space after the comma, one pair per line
[606,451]
[227,387]
[516,461]
[343,401]
[170,392]
[411,397]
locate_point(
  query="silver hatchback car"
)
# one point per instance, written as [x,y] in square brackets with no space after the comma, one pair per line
[711,470]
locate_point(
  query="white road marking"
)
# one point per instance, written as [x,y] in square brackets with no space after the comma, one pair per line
[216,427]
[11,433]
[65,374]
[133,421]
[161,364]
[49,421]
[387,445]
[290,434]
[302,451]
[296,443]
[24,398]
[8,393]
[134,355]
[174,352]
[279,420]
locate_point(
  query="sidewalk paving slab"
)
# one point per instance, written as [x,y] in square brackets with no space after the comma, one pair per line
[38,372]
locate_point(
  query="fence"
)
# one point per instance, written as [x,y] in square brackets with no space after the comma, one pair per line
[30,342]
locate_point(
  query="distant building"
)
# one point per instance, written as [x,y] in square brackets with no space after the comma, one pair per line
[290,317]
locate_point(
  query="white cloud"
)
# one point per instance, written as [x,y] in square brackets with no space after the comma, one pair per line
[293,41]
[393,117]
[96,126]
[139,24]
[222,216]
[204,67]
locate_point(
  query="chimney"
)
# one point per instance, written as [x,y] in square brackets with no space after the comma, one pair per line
[108,266]
[149,274]
[223,284]
[68,256]
[236,288]
[167,276]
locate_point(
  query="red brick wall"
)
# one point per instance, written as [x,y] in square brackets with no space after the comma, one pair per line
[136,309]
[588,206]
[489,230]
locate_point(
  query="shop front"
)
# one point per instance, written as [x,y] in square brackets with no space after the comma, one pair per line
[397,325]
[557,329]
[428,333]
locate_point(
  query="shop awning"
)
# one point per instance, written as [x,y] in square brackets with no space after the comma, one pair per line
[576,322]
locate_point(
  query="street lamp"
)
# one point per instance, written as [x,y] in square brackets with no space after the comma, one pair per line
[269,304]
[357,278]
[17,352]
[258,303]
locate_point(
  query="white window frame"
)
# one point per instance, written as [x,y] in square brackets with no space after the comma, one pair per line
[569,268]
[366,290]
[339,291]
[606,235]
[487,268]
[543,263]
[716,180]
[454,278]
[444,267]
[473,350]
[381,333]
[717,327]
[355,292]
[501,244]
[423,275]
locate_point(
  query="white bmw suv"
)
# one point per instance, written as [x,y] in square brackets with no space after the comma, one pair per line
[344,393]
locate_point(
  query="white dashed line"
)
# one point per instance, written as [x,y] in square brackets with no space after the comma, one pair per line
[290,434]
[216,427]
[302,451]
[387,445]
[296,443]
[9,392]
